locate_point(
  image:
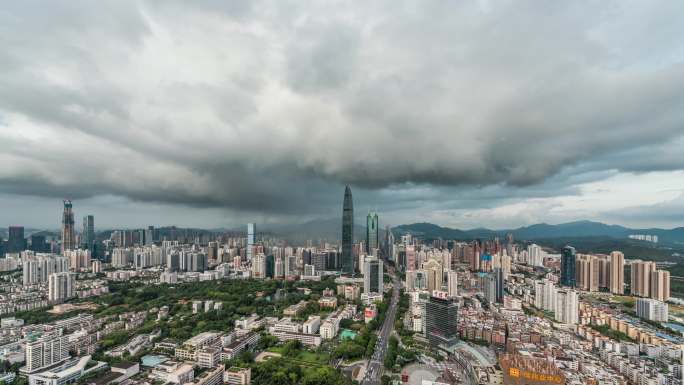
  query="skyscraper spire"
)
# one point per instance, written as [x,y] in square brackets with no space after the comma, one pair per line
[347,232]
[68,234]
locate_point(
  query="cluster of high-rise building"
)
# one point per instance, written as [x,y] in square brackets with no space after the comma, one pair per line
[648,281]
[592,272]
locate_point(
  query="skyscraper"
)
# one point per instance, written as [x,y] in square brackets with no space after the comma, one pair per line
[617,273]
[372,277]
[499,279]
[38,244]
[568,266]
[347,232]
[251,230]
[410,258]
[88,237]
[441,317]
[68,234]
[372,239]
[149,235]
[15,240]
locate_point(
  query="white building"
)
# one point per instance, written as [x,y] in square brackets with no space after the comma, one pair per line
[60,287]
[46,350]
[312,325]
[37,268]
[66,373]
[452,283]
[567,306]
[651,309]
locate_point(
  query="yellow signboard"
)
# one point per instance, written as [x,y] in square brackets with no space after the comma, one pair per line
[515,372]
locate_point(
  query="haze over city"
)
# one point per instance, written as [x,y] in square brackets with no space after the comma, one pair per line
[463,114]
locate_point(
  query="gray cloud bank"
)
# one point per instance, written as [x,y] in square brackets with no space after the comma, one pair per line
[269,106]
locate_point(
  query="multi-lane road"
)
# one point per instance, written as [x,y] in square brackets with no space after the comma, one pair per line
[375,367]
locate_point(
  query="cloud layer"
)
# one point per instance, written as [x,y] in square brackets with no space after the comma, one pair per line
[270,106]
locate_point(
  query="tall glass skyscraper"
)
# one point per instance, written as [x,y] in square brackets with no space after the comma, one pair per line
[372,238]
[88,234]
[441,316]
[347,232]
[568,267]
[68,233]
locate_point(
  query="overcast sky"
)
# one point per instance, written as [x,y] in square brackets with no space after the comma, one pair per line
[461,113]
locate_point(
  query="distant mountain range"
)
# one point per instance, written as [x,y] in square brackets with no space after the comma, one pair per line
[330,230]
[540,231]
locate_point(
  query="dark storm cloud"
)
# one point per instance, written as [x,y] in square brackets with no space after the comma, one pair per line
[272,106]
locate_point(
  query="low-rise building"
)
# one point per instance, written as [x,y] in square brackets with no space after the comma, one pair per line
[238,376]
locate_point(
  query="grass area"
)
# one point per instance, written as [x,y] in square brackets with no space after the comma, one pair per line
[302,356]
[624,299]
[676,309]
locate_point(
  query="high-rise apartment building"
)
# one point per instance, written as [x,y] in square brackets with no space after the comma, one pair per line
[489,287]
[567,306]
[373,275]
[36,269]
[452,283]
[68,232]
[60,287]
[549,297]
[640,284]
[347,232]
[79,259]
[568,258]
[535,255]
[587,272]
[259,266]
[372,235]
[660,285]
[617,273]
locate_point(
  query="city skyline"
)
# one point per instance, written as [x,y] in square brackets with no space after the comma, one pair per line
[269,192]
[261,114]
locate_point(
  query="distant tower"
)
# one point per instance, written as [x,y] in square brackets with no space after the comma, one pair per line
[15,240]
[372,237]
[568,258]
[347,232]
[68,234]
[251,230]
[88,234]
